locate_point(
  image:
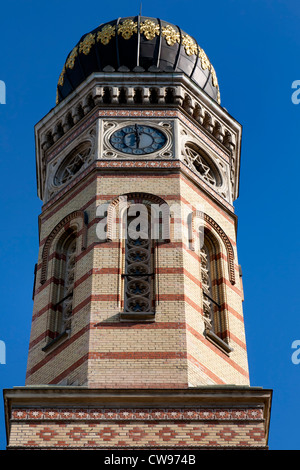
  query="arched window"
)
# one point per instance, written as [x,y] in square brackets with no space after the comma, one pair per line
[213,291]
[65,269]
[140,222]
[68,282]
[139,264]
[58,267]
[206,279]
[62,289]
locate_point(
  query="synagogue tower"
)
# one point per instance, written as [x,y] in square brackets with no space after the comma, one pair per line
[137,337]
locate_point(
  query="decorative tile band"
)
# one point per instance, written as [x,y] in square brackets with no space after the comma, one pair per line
[182,414]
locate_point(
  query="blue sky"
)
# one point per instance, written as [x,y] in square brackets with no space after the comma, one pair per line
[254,46]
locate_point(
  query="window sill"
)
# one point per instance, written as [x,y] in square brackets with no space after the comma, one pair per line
[65,334]
[137,316]
[217,341]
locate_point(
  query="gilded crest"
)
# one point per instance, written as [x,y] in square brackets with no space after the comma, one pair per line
[171,35]
[204,59]
[62,77]
[191,48]
[71,59]
[86,44]
[106,33]
[150,29]
[127,28]
[215,82]
[214,76]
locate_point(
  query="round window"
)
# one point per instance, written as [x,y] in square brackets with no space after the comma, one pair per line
[72,164]
[202,165]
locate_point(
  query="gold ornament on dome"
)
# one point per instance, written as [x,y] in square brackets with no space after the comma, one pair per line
[127,28]
[87,43]
[214,76]
[62,77]
[191,48]
[171,35]
[106,33]
[204,59]
[215,82]
[150,29]
[71,59]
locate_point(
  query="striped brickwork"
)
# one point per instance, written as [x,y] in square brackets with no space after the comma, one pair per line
[101,351]
[113,380]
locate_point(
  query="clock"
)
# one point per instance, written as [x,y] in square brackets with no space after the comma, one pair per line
[138,139]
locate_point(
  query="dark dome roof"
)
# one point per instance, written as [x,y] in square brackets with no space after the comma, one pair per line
[136,43]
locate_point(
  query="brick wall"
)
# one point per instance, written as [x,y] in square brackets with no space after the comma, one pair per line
[241,428]
[100,351]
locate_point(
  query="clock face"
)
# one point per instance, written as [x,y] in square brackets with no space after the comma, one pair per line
[138,139]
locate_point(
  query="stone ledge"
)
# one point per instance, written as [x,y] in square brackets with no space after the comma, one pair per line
[72,417]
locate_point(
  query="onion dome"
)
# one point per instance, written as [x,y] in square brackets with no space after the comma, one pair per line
[137,44]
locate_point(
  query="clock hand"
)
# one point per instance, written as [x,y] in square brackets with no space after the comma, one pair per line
[137,136]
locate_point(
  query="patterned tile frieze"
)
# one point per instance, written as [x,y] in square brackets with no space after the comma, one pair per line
[183,414]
